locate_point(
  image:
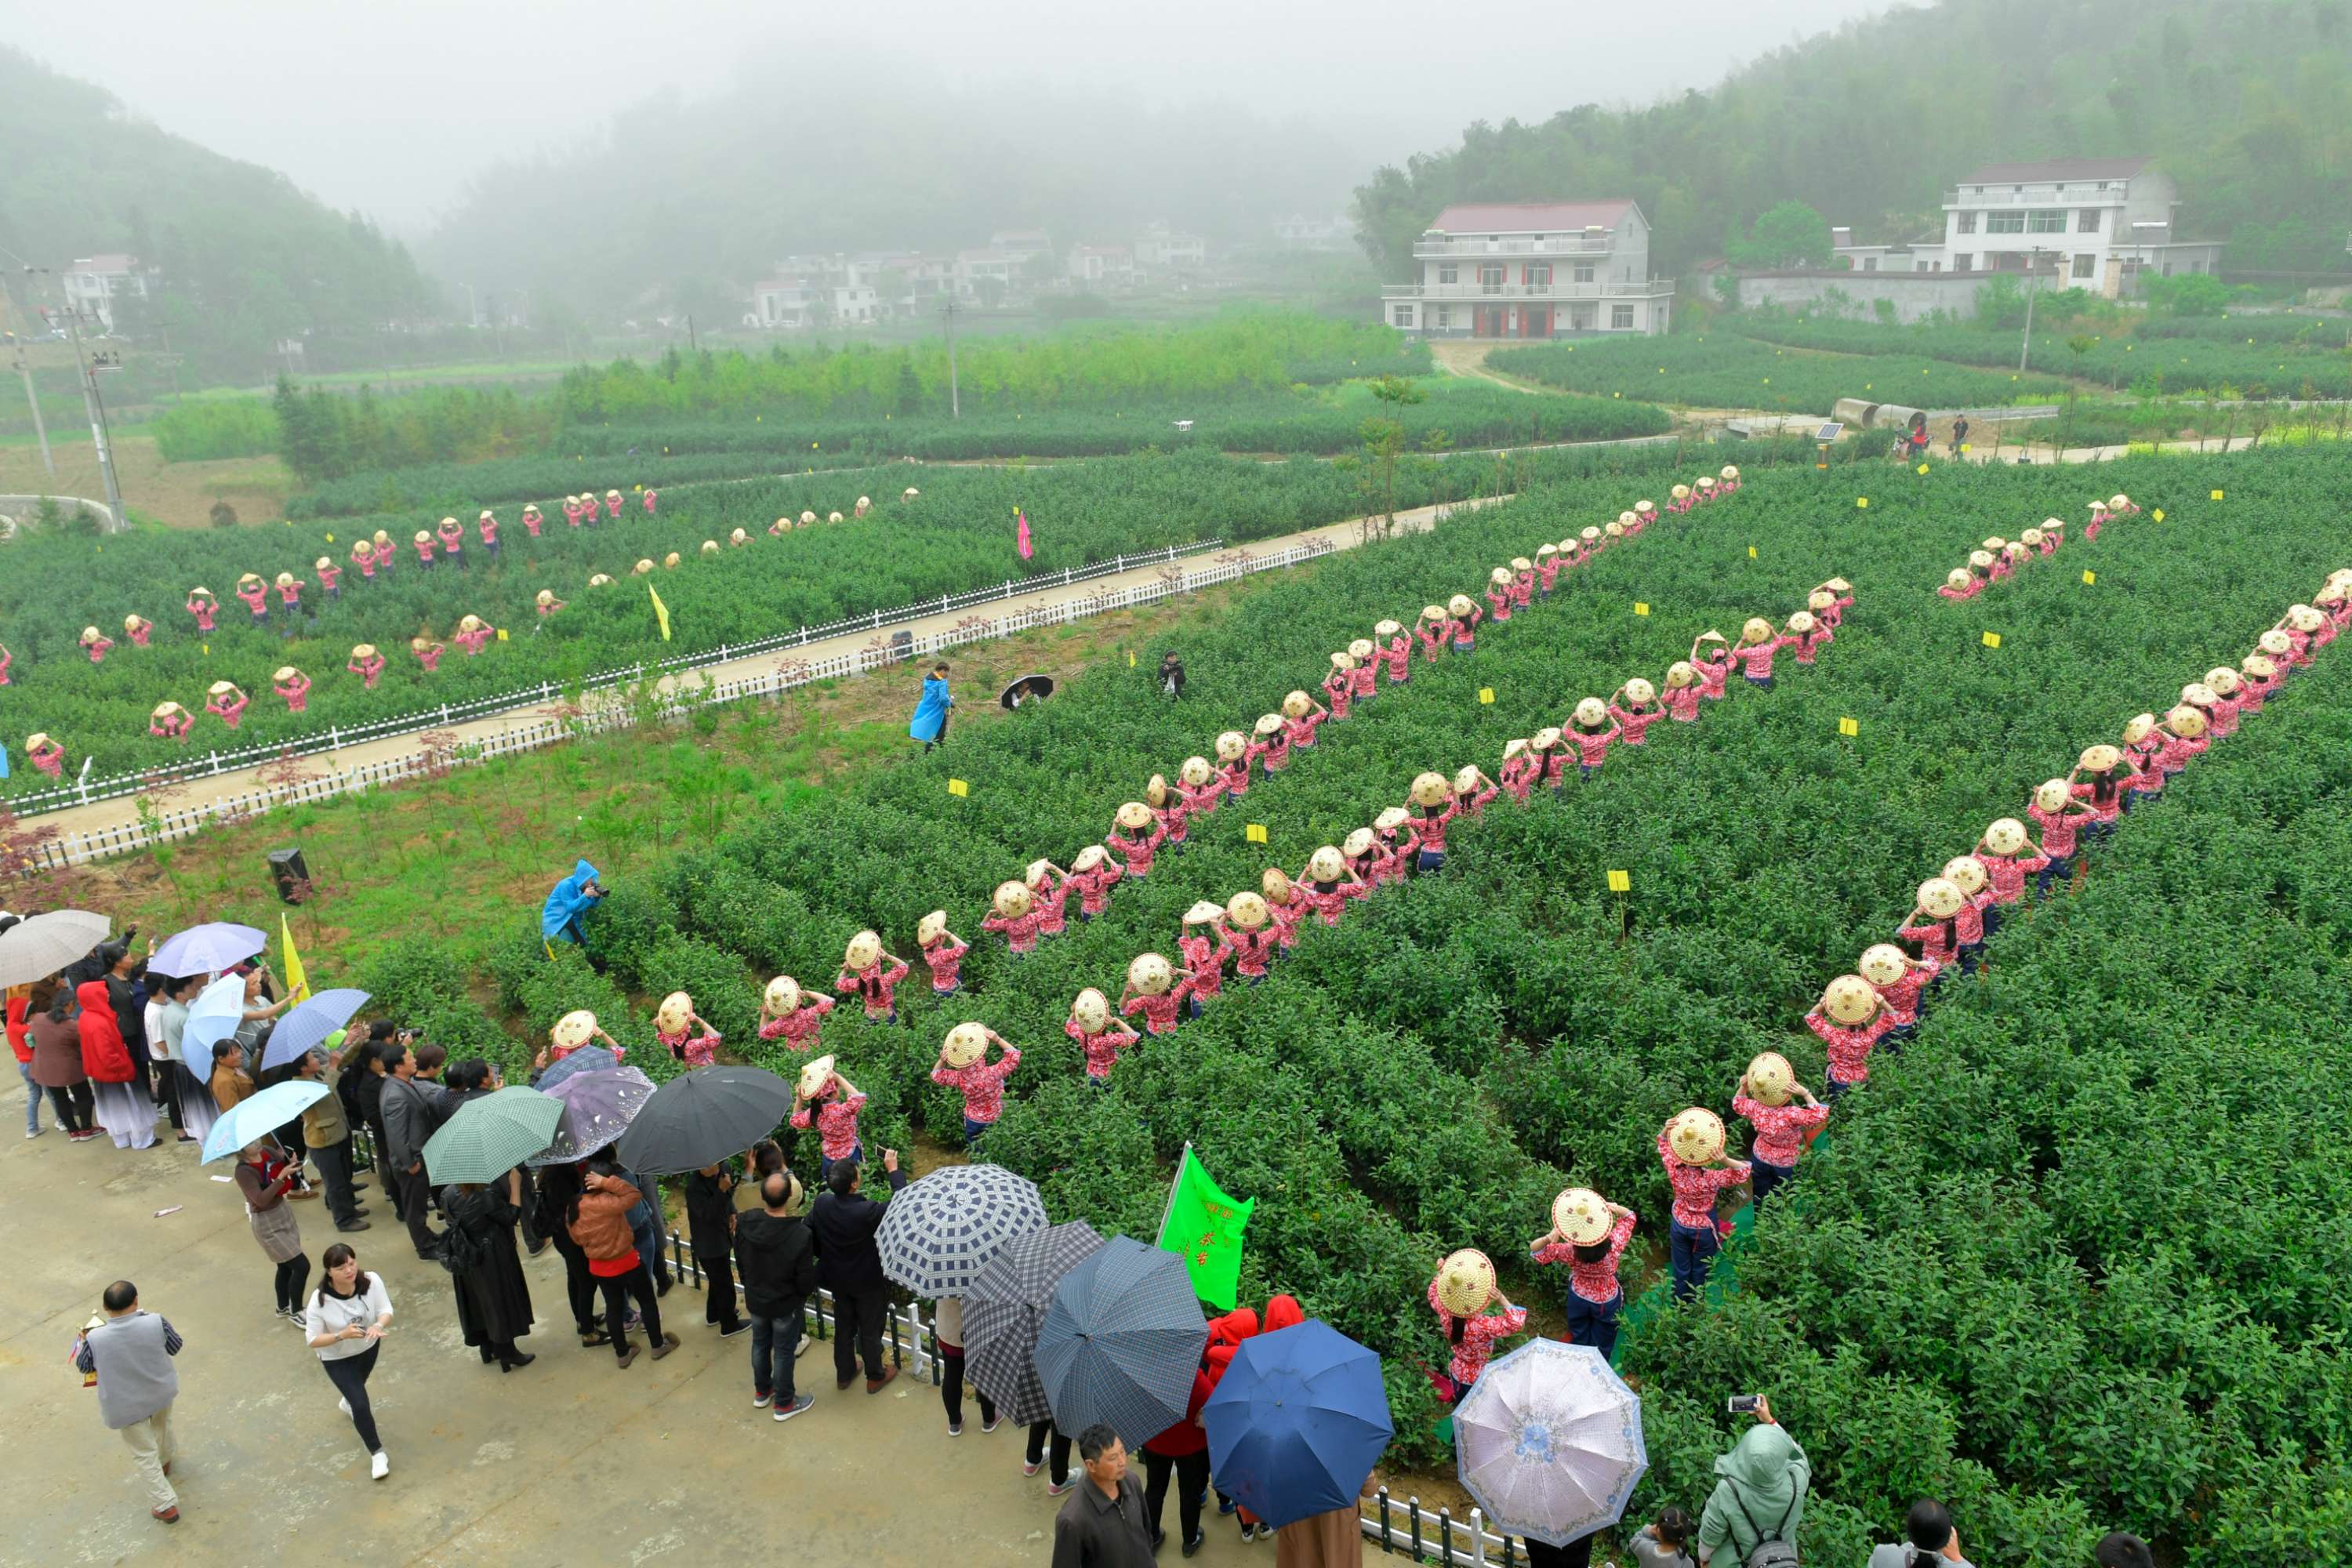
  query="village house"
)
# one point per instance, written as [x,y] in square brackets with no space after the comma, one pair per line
[1532,269]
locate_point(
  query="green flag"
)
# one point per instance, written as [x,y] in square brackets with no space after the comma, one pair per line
[1203,1227]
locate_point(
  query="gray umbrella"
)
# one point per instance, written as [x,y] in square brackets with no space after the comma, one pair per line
[939,1232]
[1122,1342]
[597,1108]
[1006,1308]
[36,948]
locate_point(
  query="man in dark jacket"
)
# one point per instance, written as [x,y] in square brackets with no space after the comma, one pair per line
[850,1265]
[776,1256]
[1102,1525]
[408,1122]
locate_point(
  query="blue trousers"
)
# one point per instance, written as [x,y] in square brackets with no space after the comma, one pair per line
[1971,955]
[1594,1323]
[1764,1176]
[1429,860]
[1833,1088]
[973,1131]
[1761,682]
[2060,869]
[824,1166]
[1992,916]
[1692,1250]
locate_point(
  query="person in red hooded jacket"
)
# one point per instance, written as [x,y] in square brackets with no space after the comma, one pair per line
[1281,1312]
[1182,1450]
[1225,1337]
[123,1109]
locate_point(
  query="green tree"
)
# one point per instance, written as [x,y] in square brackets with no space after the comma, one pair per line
[1789,235]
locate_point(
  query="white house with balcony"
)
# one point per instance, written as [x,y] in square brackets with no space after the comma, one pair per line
[93,284]
[811,291]
[2103,224]
[1532,269]
[1100,266]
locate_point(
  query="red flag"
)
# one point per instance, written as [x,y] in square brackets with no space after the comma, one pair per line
[1022,535]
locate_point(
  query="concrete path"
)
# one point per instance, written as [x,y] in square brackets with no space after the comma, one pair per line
[567,1461]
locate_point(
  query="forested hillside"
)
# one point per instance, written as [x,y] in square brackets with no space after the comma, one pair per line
[2248,103]
[243,259]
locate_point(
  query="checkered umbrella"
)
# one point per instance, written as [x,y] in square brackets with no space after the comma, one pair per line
[1006,1306]
[939,1232]
[1122,1342]
[597,1108]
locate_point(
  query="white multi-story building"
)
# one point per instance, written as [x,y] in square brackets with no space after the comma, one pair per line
[1532,269]
[2098,223]
[1164,249]
[809,291]
[1100,266]
[1300,232]
[93,284]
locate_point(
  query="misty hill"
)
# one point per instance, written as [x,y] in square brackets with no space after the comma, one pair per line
[242,259]
[685,203]
[2247,103]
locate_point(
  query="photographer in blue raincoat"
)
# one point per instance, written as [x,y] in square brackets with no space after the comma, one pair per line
[929,724]
[570,902]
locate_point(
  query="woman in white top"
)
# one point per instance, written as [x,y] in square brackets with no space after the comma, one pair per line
[345,1320]
[160,1051]
[192,1102]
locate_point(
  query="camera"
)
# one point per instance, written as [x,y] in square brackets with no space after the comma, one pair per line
[1743,1404]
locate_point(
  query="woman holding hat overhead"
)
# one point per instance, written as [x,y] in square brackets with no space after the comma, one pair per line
[1204,956]
[1763,1097]
[1933,925]
[1710,659]
[1339,686]
[1269,745]
[292,685]
[870,973]
[1757,643]
[1547,565]
[138,628]
[1500,595]
[1588,1234]
[1092,874]
[225,702]
[1013,911]
[1099,1036]
[1899,980]
[1155,988]
[1395,646]
[1429,631]
[170,721]
[943,952]
[576,1031]
[1137,835]
[1460,1292]
[1522,769]
[1850,1019]
[1463,615]
[963,1066]
[1367,671]
[1327,884]
[1690,1146]
[683,1033]
[1640,710]
[1435,804]
[1302,715]
[789,1014]
[1285,904]
[1592,732]
[832,1102]
[1200,786]
[2104,791]
[2008,854]
[1248,934]
[1523,581]
[255,595]
[204,606]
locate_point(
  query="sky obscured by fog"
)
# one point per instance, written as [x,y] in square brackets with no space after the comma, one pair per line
[390,108]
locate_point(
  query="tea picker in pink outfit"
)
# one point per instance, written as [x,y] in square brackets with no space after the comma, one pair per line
[488,527]
[171,720]
[611,503]
[204,606]
[531,521]
[95,644]
[366,663]
[943,950]
[292,685]
[44,753]
[138,628]
[453,542]
[790,1015]
[255,595]
[429,653]
[683,1032]
[473,633]
[870,972]
[329,576]
[226,702]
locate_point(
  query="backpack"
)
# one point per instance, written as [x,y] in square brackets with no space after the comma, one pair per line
[459,1250]
[1770,1550]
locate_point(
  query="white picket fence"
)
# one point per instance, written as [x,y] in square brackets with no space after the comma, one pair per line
[632,696]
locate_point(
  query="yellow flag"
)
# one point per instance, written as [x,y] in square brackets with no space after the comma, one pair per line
[298,984]
[502,634]
[2090,578]
[1486,696]
[1640,608]
[661,611]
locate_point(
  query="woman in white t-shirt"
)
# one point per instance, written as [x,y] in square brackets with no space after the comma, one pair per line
[345,1320]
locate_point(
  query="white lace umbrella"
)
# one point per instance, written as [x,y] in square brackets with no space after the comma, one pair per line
[1549,1442]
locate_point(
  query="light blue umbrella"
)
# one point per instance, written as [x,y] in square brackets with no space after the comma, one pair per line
[256,1116]
[207,949]
[215,1015]
[306,1027]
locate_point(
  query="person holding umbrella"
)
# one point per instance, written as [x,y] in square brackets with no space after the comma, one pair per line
[327,1133]
[264,1176]
[599,1221]
[479,1249]
[119,1094]
[346,1320]
[710,1223]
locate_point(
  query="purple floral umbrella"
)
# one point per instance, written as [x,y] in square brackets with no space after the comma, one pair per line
[597,1108]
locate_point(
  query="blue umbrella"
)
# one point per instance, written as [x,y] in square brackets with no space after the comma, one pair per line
[587,1058]
[207,949]
[256,1116]
[1122,1342]
[217,1014]
[1297,1422]
[306,1028]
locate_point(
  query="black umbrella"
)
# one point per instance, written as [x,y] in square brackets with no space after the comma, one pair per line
[1028,688]
[700,1117]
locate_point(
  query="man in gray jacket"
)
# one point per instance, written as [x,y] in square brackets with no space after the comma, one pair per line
[408,1122]
[130,1355]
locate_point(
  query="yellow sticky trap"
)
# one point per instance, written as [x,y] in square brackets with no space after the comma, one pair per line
[331,539]
[550,949]
[1863,502]
[1848,727]
[502,634]
[1964,447]
[1640,608]
[208,648]
[1992,639]
[1253,832]
[957,787]
[2217,495]
[1751,553]
[2089,578]
[1486,696]
[1131,658]
[1923,468]
[1621,883]
[2157,514]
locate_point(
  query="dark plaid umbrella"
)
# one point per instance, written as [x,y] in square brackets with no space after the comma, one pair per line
[1006,1308]
[306,1028]
[1122,1342]
[939,1232]
[587,1058]
[597,1108]
[700,1117]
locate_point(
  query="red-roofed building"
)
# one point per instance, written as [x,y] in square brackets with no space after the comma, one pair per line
[1532,269]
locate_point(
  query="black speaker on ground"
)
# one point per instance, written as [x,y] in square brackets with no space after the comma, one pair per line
[290,875]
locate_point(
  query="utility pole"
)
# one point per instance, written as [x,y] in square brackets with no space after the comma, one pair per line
[95,406]
[16,318]
[693,344]
[955,406]
[2026,347]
